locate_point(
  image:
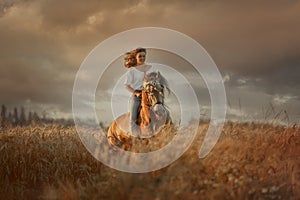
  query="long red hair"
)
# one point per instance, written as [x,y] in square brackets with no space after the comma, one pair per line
[130,57]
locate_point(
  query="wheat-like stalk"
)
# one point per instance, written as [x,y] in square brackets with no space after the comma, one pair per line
[250,161]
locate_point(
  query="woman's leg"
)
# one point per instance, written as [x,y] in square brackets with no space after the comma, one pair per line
[134,108]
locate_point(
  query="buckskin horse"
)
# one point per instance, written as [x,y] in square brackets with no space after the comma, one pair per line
[153,114]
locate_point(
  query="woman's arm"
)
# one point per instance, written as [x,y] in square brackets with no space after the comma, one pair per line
[128,81]
[131,90]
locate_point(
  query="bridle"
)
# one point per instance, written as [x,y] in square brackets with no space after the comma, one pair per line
[152,87]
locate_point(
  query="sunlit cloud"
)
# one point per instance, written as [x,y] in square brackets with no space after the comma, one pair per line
[282,99]
[256,46]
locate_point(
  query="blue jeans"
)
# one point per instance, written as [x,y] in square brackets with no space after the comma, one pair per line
[135,103]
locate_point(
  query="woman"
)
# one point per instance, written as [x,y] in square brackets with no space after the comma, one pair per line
[135,61]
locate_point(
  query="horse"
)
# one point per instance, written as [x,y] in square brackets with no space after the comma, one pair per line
[153,114]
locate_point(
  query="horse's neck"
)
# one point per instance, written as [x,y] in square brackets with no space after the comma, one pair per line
[145,110]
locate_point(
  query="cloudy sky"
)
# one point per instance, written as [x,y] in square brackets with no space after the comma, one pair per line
[255,44]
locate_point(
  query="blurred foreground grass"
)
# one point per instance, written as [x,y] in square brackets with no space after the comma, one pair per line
[250,161]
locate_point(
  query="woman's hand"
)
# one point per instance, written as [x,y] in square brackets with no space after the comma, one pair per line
[137,93]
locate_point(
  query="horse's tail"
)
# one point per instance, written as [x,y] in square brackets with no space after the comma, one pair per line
[117,137]
[111,134]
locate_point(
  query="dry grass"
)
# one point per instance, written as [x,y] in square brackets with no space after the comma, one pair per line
[250,161]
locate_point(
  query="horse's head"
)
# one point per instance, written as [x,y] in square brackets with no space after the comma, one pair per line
[153,95]
[154,87]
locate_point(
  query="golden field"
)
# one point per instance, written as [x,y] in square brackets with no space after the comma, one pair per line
[250,161]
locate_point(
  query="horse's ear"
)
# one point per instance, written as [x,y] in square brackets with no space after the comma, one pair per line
[157,75]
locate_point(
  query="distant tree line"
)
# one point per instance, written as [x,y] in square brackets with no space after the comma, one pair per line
[17,117]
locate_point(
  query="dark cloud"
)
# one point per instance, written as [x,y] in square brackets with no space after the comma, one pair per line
[44,42]
[4,6]
[67,13]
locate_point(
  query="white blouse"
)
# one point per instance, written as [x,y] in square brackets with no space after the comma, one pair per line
[135,78]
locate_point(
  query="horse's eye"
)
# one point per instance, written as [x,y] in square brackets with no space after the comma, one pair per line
[154,83]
